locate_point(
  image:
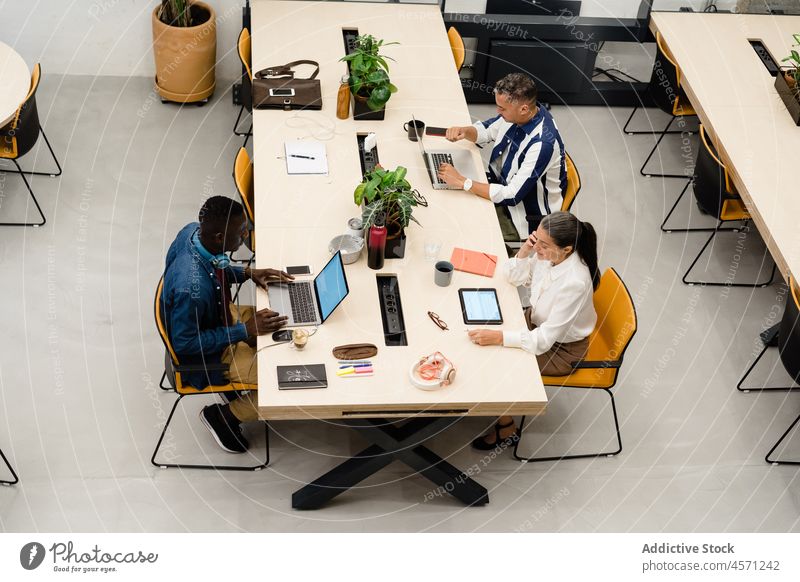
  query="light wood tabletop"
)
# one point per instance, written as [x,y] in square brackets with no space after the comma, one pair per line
[297,216]
[736,101]
[15,80]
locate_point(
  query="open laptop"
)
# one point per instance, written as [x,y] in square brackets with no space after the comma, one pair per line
[461,160]
[307,303]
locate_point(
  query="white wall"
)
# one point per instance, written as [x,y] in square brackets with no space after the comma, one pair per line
[103,37]
[113,37]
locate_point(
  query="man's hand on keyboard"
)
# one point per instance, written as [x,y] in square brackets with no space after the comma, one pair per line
[264,321]
[263,276]
[450,175]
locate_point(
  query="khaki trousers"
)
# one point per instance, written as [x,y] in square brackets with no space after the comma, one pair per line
[557,361]
[243,369]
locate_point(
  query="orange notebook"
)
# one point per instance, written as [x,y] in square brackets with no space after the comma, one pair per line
[474,262]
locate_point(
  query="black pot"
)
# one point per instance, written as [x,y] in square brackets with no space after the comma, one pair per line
[362,112]
[396,247]
[789,98]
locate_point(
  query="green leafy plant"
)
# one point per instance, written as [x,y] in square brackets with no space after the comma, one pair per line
[175,13]
[369,71]
[388,191]
[794,71]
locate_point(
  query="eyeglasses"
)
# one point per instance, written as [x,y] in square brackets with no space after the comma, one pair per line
[438,321]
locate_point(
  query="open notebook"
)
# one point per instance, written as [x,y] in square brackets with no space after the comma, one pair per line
[306,157]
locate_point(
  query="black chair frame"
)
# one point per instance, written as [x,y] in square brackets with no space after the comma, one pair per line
[768,338]
[583,455]
[15,478]
[723,283]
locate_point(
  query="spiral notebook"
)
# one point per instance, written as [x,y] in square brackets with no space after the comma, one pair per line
[306,157]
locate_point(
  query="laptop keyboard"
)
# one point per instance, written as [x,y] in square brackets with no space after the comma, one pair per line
[302,300]
[439,159]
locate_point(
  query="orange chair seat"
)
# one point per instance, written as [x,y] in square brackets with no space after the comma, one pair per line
[733,209]
[584,378]
[8,148]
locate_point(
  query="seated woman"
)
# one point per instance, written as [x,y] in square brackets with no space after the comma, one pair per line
[558,263]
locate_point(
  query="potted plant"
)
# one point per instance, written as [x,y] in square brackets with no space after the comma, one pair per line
[369,77]
[185,50]
[388,191]
[787,82]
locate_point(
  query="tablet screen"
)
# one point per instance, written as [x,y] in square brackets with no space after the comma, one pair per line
[480,306]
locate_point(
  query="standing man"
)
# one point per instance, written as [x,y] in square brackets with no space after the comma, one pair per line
[203,324]
[527,169]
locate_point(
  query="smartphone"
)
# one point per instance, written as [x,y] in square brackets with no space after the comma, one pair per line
[282,335]
[437,131]
[299,270]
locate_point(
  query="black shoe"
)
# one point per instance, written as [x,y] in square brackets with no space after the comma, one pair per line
[499,442]
[225,428]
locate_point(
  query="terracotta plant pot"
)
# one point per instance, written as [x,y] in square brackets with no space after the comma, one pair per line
[186,56]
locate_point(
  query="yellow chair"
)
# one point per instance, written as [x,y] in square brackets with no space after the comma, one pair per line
[174,369]
[668,95]
[716,195]
[616,326]
[573,184]
[243,179]
[245,55]
[457,46]
[19,136]
[14,478]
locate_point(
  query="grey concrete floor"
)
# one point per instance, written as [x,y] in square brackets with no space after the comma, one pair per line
[80,359]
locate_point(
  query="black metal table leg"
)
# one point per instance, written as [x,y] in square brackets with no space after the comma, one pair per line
[402,443]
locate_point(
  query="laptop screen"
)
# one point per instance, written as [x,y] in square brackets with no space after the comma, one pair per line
[331,286]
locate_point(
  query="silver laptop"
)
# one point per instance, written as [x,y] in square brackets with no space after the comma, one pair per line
[461,160]
[307,303]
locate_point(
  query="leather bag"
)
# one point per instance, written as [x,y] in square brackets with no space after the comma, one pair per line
[278,88]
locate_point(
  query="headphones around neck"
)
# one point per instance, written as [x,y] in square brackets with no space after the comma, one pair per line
[221,261]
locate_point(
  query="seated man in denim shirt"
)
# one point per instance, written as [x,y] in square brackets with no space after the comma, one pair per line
[204,325]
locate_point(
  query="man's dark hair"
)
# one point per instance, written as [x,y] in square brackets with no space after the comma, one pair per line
[517,87]
[218,210]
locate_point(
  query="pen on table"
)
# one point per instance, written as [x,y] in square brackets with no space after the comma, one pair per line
[302,157]
[367,365]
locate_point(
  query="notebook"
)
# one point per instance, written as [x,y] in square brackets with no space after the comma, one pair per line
[474,262]
[298,377]
[306,157]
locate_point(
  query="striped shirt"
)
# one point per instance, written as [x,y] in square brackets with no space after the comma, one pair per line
[527,167]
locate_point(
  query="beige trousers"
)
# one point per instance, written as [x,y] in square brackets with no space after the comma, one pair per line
[243,368]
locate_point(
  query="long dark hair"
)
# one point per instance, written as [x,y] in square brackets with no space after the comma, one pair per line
[566,230]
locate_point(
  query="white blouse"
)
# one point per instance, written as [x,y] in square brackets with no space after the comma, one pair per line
[561,302]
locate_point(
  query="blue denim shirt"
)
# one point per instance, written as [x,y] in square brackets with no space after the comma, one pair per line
[191,302]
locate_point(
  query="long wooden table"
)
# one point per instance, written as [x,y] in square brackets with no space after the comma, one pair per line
[297,216]
[735,99]
[15,80]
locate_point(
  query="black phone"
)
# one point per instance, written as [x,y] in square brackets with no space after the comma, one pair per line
[282,335]
[299,270]
[437,131]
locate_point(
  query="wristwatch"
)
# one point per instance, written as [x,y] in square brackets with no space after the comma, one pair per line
[467,184]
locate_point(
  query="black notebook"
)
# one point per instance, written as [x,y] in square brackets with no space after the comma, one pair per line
[298,377]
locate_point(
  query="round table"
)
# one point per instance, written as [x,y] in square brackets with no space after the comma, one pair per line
[15,80]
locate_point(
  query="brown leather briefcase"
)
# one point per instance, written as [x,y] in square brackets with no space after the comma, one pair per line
[278,88]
